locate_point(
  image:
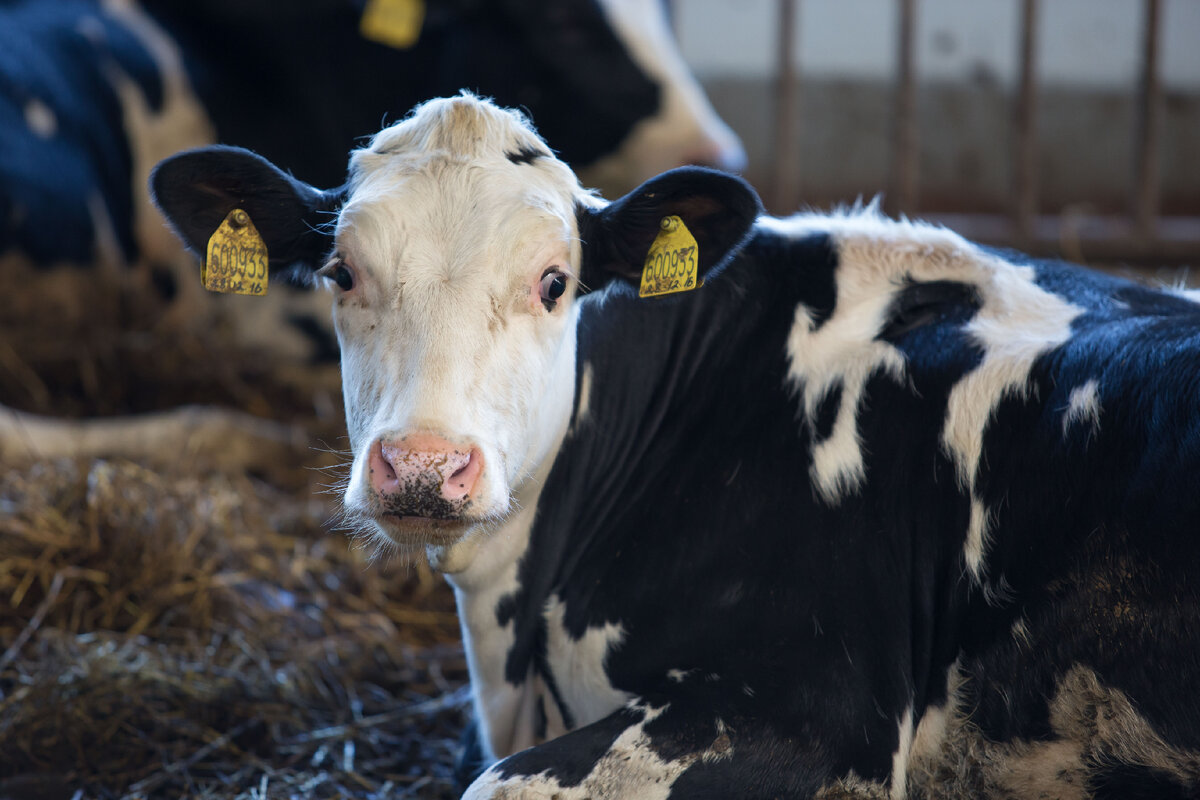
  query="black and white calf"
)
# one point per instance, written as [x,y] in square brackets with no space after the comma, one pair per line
[874,512]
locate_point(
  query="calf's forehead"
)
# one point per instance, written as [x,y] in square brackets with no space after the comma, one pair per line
[455,220]
[457,185]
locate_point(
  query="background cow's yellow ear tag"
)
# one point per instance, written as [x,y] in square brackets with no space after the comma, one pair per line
[672,261]
[396,23]
[235,261]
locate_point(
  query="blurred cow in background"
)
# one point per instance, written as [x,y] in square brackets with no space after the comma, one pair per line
[91,97]
[603,79]
[93,94]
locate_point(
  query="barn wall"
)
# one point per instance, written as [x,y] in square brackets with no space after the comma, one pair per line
[966,136]
[1087,59]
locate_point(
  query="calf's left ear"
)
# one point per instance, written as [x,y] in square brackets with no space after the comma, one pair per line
[718,209]
[196,189]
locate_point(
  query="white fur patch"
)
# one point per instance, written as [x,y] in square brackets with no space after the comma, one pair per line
[484,572]
[1093,728]
[875,257]
[1083,407]
[1016,323]
[929,740]
[578,667]
[630,768]
[899,789]
[41,119]
[977,528]
[931,731]
[841,351]
[506,713]
[1188,294]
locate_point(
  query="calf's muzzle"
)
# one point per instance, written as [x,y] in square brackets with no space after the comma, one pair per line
[424,475]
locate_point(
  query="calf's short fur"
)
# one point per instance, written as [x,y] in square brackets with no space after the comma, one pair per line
[875,512]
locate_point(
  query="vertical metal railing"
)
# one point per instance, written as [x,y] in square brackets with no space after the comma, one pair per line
[905,154]
[785,189]
[1143,234]
[1025,155]
[1149,123]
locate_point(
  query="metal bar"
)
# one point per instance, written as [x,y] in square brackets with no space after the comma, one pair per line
[904,142]
[1026,123]
[1086,238]
[785,193]
[1149,123]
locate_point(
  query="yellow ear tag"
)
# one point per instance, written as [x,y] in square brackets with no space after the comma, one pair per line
[396,23]
[671,263]
[235,261]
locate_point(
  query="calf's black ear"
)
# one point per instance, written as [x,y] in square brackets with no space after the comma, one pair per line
[718,209]
[196,189]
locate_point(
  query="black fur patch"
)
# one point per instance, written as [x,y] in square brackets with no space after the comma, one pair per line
[525,155]
[827,411]
[921,304]
[570,759]
[1136,782]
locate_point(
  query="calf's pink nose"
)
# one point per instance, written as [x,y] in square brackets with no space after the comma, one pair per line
[422,461]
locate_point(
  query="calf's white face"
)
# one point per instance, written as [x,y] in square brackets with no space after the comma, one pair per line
[455,273]
[456,261]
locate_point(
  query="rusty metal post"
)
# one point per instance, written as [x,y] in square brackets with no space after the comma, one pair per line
[1025,159]
[1149,123]
[785,191]
[905,156]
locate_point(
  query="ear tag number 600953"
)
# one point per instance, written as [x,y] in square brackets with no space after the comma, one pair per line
[671,264]
[235,261]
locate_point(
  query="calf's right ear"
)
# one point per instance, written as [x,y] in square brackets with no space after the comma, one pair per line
[196,189]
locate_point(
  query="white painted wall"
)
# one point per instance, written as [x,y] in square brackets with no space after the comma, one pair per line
[1089,43]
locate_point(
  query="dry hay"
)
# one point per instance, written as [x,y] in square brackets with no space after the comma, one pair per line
[82,343]
[172,634]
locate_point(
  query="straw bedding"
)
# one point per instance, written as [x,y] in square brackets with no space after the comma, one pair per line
[168,630]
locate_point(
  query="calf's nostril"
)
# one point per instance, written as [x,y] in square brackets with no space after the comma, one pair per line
[380,471]
[387,473]
[460,484]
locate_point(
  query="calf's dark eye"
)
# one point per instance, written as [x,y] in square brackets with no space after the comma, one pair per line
[343,277]
[554,283]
